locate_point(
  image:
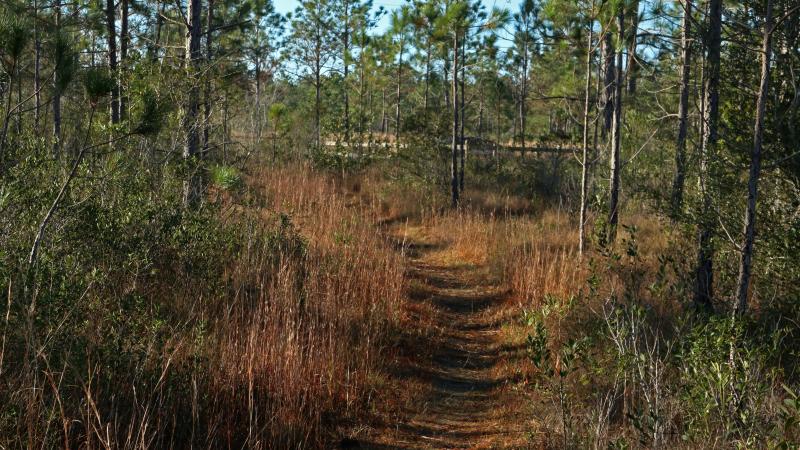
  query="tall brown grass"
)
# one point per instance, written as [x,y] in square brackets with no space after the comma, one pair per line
[302,350]
[277,347]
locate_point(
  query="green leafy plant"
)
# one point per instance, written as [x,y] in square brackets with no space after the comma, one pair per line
[226,177]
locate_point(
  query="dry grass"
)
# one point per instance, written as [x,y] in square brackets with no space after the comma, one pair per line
[282,351]
[303,353]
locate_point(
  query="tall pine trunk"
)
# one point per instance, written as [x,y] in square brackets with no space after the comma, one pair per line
[704,273]
[683,113]
[346,60]
[523,93]
[192,186]
[631,64]
[615,165]
[463,114]
[745,263]
[454,149]
[37,82]
[609,71]
[57,98]
[384,129]
[399,85]
[124,43]
[585,149]
[111,42]
[207,91]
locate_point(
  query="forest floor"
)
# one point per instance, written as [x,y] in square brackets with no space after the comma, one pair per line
[452,375]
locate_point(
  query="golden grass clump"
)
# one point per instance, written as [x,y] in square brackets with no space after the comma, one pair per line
[301,342]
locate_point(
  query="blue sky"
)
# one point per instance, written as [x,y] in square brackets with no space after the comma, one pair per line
[284,6]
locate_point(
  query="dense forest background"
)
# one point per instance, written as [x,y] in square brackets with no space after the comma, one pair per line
[189,194]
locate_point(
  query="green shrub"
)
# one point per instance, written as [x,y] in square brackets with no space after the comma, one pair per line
[226,177]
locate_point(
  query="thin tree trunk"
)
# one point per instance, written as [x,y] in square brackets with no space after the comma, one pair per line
[683,112]
[361,107]
[584,159]
[596,128]
[480,116]
[207,94]
[191,190]
[317,103]
[56,123]
[111,30]
[514,125]
[613,204]
[18,115]
[461,139]
[609,77]
[7,118]
[524,93]
[157,38]
[37,82]
[257,114]
[704,279]
[371,109]
[745,264]
[397,111]
[317,86]
[383,111]
[346,60]
[446,73]
[454,148]
[631,65]
[226,132]
[124,42]
[57,98]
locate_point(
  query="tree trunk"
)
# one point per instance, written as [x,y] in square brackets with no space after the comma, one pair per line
[608,82]
[257,114]
[585,149]
[361,88]
[207,94]
[56,123]
[446,73]
[480,116]
[397,111]
[111,30]
[454,148]
[57,99]
[683,113]
[613,203]
[124,42]
[317,103]
[524,93]
[346,60]
[704,279]
[384,130]
[37,82]
[317,85]
[226,132]
[632,65]
[191,189]
[157,38]
[7,118]
[461,139]
[745,264]
[20,101]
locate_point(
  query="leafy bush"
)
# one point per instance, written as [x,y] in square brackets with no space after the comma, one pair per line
[226,177]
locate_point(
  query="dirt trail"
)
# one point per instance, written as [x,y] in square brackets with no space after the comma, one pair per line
[453,367]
